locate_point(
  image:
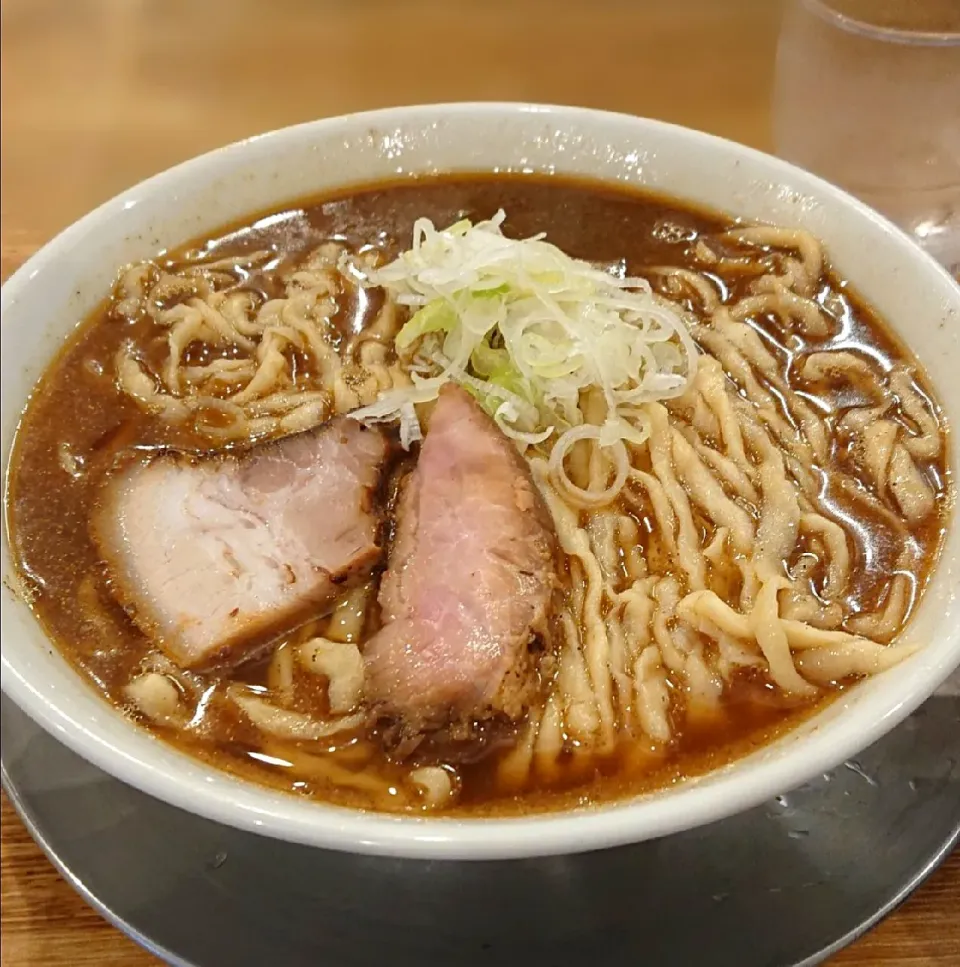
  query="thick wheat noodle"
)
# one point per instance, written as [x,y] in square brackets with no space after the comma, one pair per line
[219,324]
[373,356]
[157,697]
[709,495]
[549,740]
[663,513]
[188,682]
[710,614]
[223,371]
[652,695]
[327,769]
[575,543]
[734,655]
[189,329]
[820,366]
[580,712]
[304,417]
[927,443]
[636,610]
[168,287]
[594,408]
[803,606]
[774,297]
[909,487]
[688,549]
[597,646]
[618,663]
[354,387]
[882,625]
[239,309]
[672,656]
[578,463]
[131,289]
[342,664]
[741,264]
[713,384]
[726,470]
[872,441]
[854,490]
[601,528]
[276,404]
[749,343]
[272,366]
[286,724]
[728,475]
[680,648]
[232,319]
[230,263]
[513,770]
[628,536]
[204,407]
[761,400]
[875,450]
[860,657]
[676,278]
[802,602]
[577,592]
[777,531]
[703,684]
[770,635]
[715,550]
[697,411]
[323,352]
[139,386]
[834,538]
[805,244]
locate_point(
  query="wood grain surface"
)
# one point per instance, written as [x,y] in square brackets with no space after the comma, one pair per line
[97,94]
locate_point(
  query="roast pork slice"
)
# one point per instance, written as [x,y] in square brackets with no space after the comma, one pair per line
[215,556]
[466,597]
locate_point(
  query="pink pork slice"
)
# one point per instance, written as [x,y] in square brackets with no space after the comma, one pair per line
[215,556]
[466,597]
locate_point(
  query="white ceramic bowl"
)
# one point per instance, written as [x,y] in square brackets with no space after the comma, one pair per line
[58,286]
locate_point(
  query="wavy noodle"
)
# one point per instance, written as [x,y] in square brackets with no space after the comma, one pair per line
[652,695]
[286,724]
[726,553]
[157,697]
[286,350]
[342,665]
[756,571]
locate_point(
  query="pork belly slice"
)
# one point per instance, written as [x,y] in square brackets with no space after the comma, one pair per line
[215,556]
[466,596]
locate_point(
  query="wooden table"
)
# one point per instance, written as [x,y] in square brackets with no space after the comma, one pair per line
[97,94]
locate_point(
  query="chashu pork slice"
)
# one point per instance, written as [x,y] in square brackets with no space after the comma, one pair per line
[466,596]
[214,556]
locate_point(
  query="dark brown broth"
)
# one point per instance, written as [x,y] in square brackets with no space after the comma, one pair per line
[77,405]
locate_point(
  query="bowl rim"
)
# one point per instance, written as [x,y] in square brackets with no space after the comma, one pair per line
[261,810]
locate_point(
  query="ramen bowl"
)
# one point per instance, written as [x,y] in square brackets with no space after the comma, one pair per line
[63,282]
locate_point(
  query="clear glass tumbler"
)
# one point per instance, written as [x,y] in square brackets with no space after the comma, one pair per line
[867,95]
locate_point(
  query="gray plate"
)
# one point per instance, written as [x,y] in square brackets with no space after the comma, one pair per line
[785,884]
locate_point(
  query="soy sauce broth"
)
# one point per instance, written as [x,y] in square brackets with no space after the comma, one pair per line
[77,421]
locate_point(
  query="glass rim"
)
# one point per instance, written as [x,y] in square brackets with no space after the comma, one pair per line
[893,35]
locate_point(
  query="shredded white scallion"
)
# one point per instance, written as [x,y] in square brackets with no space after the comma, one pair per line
[527,329]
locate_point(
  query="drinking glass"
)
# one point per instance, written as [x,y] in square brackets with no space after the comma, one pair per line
[867,94]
